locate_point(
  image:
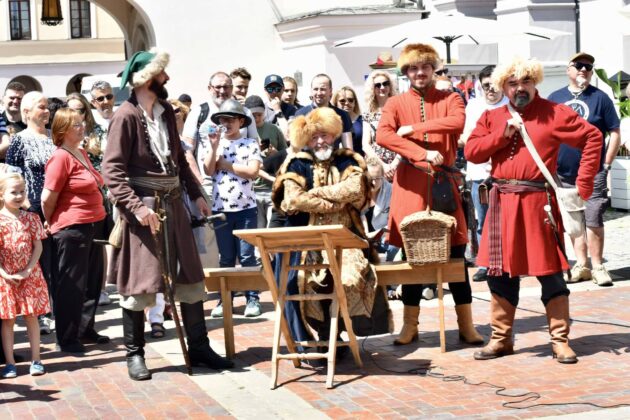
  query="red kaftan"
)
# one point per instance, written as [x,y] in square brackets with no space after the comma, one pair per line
[30,296]
[444,122]
[528,243]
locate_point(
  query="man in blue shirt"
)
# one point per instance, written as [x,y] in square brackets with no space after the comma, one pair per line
[321,92]
[598,109]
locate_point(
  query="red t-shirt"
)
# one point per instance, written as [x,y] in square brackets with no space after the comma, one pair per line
[80,200]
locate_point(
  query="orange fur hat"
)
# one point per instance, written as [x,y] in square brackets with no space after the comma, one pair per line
[319,120]
[417,53]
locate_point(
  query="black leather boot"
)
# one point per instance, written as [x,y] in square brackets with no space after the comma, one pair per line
[323,332]
[133,336]
[199,348]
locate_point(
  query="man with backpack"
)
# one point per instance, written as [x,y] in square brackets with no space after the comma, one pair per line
[195,135]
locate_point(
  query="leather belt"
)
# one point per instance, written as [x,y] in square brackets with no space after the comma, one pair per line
[535,184]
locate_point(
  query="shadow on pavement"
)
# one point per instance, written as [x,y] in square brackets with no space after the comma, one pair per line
[15,393]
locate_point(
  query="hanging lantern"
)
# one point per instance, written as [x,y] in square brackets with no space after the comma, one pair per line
[51,12]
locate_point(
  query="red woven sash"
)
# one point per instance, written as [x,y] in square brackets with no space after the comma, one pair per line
[493,221]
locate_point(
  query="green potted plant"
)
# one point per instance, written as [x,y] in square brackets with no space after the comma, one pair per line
[620,172]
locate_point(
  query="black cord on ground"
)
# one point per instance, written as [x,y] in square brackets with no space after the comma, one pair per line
[429,371]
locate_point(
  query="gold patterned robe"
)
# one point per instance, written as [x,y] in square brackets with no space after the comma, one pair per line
[331,192]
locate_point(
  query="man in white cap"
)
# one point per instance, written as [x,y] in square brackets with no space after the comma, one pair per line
[146,170]
[598,109]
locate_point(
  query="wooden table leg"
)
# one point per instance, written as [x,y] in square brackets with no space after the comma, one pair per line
[279,316]
[332,341]
[441,306]
[228,321]
[335,259]
[273,289]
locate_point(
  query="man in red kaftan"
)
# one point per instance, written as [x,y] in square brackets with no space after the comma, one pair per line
[423,126]
[519,238]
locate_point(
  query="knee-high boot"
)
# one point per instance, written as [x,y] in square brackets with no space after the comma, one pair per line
[133,336]
[467,331]
[199,348]
[500,344]
[409,331]
[558,318]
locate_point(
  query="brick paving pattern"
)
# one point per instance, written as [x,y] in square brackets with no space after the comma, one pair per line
[393,383]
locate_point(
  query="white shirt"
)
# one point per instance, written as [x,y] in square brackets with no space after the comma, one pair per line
[230,192]
[475,108]
[158,133]
[201,143]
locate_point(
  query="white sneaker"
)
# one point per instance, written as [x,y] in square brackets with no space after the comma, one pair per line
[253,308]
[104,299]
[578,273]
[427,293]
[601,277]
[217,312]
[44,325]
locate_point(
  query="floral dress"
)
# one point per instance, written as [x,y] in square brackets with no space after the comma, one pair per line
[29,153]
[384,154]
[30,296]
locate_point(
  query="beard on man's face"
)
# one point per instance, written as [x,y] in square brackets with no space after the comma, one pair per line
[521,99]
[159,89]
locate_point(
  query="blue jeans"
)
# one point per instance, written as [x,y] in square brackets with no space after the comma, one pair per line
[385,247]
[231,246]
[480,209]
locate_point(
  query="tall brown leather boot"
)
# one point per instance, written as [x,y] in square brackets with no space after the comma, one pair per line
[502,320]
[558,318]
[409,331]
[467,332]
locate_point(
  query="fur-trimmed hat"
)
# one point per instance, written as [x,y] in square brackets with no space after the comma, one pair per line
[324,120]
[417,53]
[143,66]
[520,68]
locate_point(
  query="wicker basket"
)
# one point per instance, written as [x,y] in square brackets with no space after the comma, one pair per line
[427,236]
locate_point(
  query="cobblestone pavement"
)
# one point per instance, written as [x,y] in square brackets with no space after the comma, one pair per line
[393,383]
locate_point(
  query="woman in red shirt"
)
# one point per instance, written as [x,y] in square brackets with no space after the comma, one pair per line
[73,206]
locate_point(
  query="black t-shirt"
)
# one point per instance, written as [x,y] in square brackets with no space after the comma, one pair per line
[346,121]
[13,127]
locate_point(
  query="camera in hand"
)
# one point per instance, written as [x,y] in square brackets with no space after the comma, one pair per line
[214,129]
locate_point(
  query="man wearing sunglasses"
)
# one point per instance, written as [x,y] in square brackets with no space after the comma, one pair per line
[103,103]
[276,111]
[597,108]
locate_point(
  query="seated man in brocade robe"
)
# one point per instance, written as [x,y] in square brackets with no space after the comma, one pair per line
[319,186]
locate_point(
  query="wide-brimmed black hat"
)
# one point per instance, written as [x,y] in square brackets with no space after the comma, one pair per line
[231,108]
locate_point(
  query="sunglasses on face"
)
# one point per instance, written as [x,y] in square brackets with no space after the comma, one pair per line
[579,66]
[108,97]
[487,87]
[385,84]
[273,89]
[346,100]
[441,72]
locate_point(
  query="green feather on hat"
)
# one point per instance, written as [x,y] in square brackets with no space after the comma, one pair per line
[143,66]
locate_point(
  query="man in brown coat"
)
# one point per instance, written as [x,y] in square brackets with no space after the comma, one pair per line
[145,168]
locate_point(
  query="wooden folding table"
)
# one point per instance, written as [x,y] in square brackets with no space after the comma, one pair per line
[332,239]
